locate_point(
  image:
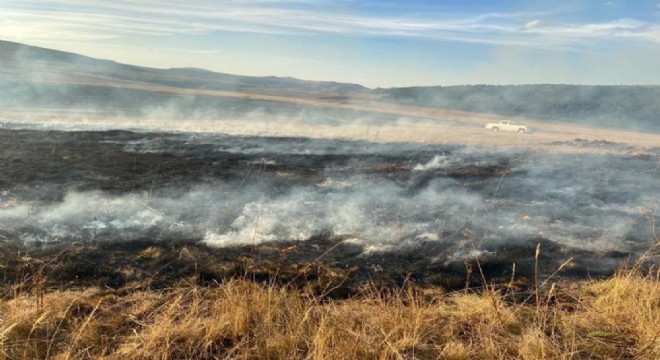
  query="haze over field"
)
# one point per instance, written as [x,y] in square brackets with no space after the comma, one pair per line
[592,196]
[106,151]
[51,85]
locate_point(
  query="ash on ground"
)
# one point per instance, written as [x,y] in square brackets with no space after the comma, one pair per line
[116,207]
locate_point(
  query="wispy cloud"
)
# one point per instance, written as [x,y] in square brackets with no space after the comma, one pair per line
[623,28]
[78,20]
[532,24]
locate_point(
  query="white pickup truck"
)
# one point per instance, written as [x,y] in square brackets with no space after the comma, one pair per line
[507,125]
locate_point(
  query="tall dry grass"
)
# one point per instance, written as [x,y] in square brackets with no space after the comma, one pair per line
[615,318]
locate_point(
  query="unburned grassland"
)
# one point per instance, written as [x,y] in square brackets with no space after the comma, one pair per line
[614,318]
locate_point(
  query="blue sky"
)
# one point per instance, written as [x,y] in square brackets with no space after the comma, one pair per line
[380,43]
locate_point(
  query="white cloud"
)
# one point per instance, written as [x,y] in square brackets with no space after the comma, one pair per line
[623,28]
[532,24]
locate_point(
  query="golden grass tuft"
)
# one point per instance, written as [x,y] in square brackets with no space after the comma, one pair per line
[615,318]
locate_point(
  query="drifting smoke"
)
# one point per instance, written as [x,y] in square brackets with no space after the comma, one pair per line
[620,107]
[379,201]
[382,197]
[76,91]
[71,89]
[438,162]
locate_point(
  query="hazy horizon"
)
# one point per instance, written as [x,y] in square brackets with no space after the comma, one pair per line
[376,44]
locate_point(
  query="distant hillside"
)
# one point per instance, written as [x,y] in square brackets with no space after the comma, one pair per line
[624,107]
[33,77]
[23,62]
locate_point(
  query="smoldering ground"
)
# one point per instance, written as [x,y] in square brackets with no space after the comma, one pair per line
[384,208]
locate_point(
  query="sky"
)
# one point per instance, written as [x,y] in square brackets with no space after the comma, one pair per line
[377,43]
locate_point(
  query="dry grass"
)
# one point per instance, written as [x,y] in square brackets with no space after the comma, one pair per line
[612,318]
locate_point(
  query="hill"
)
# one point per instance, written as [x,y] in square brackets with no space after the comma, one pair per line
[37,78]
[28,63]
[34,78]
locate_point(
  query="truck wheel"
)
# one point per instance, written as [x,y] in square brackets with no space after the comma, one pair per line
[521,131]
[496,129]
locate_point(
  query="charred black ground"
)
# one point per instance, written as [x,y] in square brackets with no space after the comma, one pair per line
[337,213]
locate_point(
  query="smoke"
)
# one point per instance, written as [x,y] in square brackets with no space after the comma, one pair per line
[618,107]
[76,92]
[438,162]
[503,199]
[46,86]
[382,197]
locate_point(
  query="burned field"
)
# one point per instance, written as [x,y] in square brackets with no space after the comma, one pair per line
[115,208]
